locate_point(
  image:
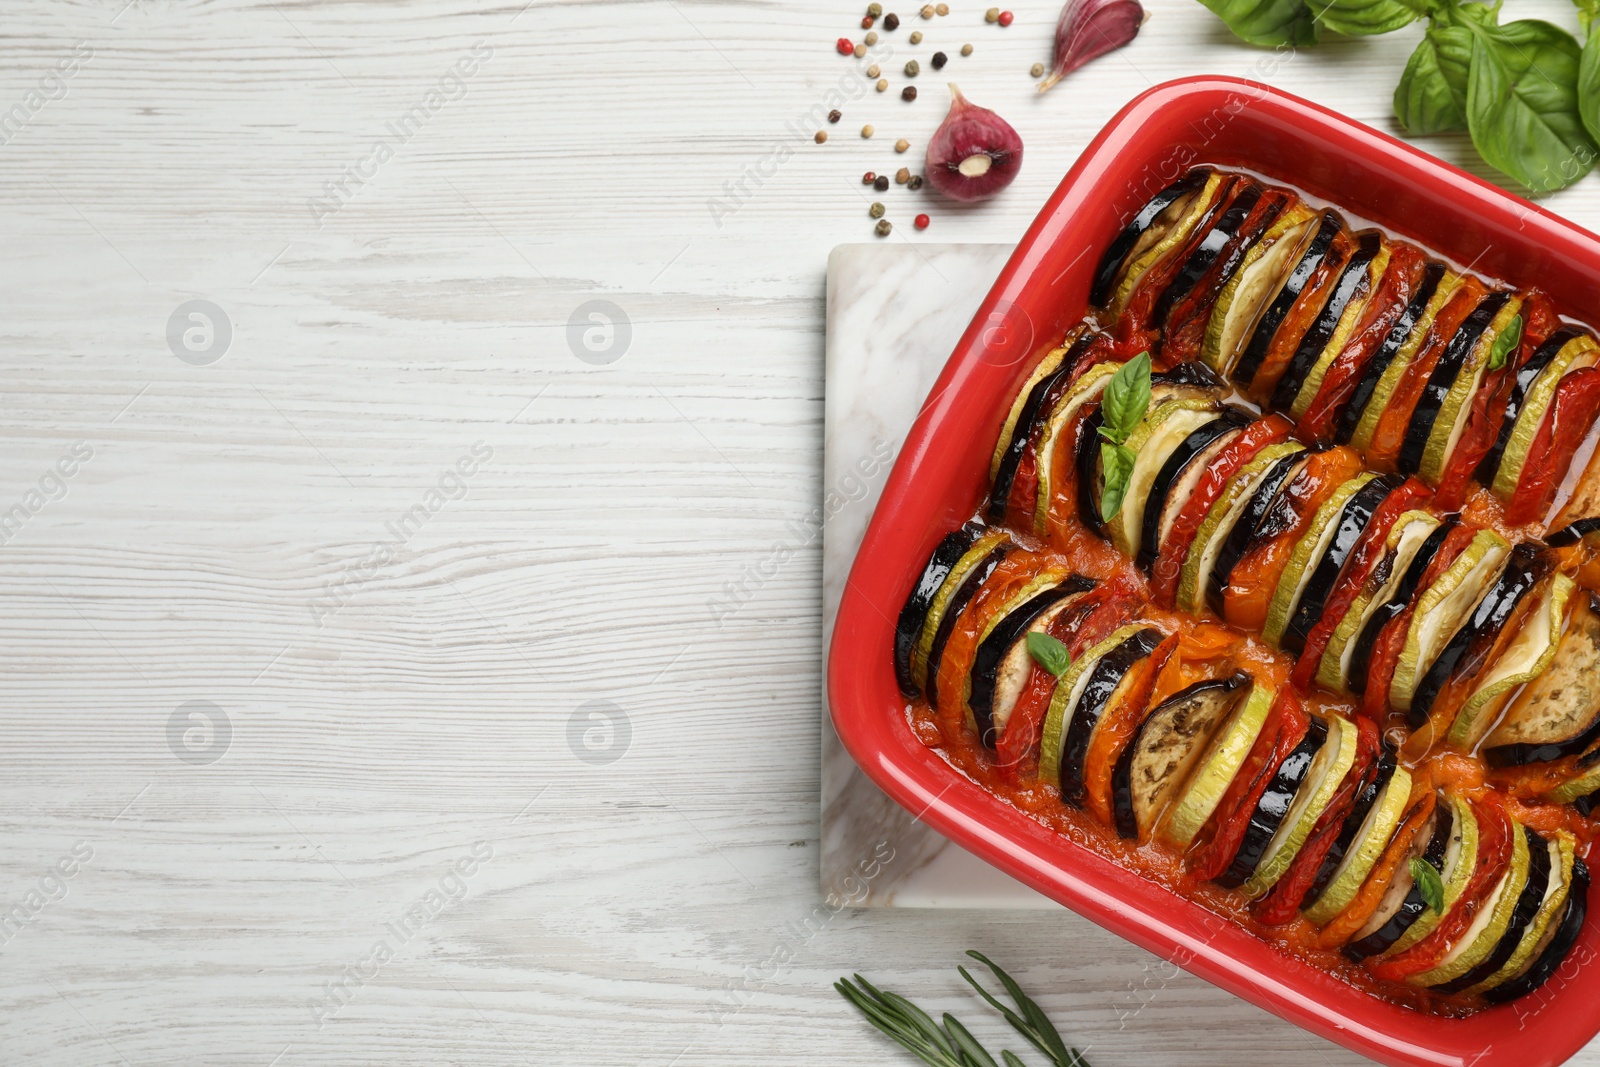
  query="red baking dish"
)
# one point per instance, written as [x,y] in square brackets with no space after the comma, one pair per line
[942,472]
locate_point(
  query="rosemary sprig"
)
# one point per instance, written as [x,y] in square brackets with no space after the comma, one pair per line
[952,1044]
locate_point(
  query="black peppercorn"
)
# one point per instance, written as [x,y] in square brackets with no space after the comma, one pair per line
[908,93]
[881,182]
[939,60]
[891,21]
[835,115]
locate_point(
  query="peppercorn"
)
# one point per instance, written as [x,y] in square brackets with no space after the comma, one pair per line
[866,131]
[916,36]
[1006,18]
[913,68]
[881,183]
[992,15]
[883,227]
[883,83]
[901,145]
[909,93]
[876,210]
[927,11]
[872,71]
[874,10]
[872,38]
[860,50]
[902,175]
[822,135]
[867,21]
[922,222]
[844,46]
[966,49]
[939,60]
[891,21]
[915,182]
[868,178]
[943,9]
[835,115]
[1037,70]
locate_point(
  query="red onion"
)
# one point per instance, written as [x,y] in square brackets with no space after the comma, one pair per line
[974,153]
[1091,28]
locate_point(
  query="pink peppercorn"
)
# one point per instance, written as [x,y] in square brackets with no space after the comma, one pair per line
[844,46]
[922,222]
[1006,18]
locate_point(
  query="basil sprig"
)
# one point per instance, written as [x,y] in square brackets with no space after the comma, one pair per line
[1431,887]
[1122,407]
[1525,91]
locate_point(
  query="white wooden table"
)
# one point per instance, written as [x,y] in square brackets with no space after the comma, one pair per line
[378,614]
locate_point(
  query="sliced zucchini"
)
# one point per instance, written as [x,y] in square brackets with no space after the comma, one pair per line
[1214,529]
[1451,414]
[1547,921]
[1442,608]
[1402,901]
[1556,948]
[1558,712]
[1149,225]
[1316,341]
[1406,538]
[1453,362]
[1529,655]
[1490,922]
[1100,688]
[1179,462]
[1371,839]
[1244,532]
[1168,744]
[963,583]
[1018,426]
[1086,389]
[914,613]
[1543,857]
[1580,788]
[1290,289]
[1333,532]
[1394,357]
[1254,285]
[1569,348]
[1065,699]
[1370,277]
[1001,665]
[1272,810]
[1396,605]
[1206,250]
[1332,763]
[1223,757]
[1140,261]
[1460,859]
[1180,490]
[1161,433]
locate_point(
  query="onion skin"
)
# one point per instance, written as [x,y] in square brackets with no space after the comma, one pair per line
[1088,29]
[974,153]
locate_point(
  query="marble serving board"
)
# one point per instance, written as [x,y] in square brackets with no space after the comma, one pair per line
[895,311]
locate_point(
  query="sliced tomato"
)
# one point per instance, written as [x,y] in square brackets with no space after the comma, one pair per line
[1494,852]
[1571,416]
[1304,312]
[1228,462]
[1220,839]
[1024,487]
[1392,297]
[1349,922]
[1488,410]
[1364,558]
[1015,571]
[1283,903]
[1386,649]
[1118,725]
[1136,326]
[1255,577]
[1015,749]
[1186,323]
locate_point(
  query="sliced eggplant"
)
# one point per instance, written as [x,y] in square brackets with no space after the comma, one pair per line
[1364,851]
[1309,352]
[1006,646]
[1371,787]
[1328,770]
[1243,533]
[1254,284]
[1395,605]
[1477,634]
[1168,744]
[1453,362]
[1492,919]
[1064,701]
[1441,609]
[1555,951]
[1460,861]
[1402,904]
[1148,225]
[1569,348]
[1100,685]
[1147,254]
[1306,583]
[908,627]
[1223,757]
[1557,713]
[1206,250]
[1405,540]
[1274,805]
[1384,367]
[1541,853]
[1219,522]
[1529,655]
[1180,460]
[1290,291]
[963,584]
[1019,427]
[1181,489]
[1163,431]
[1086,389]
[1354,310]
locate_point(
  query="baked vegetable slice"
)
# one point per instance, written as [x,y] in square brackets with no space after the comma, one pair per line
[1558,712]
[1543,856]
[1217,767]
[1244,532]
[1491,920]
[1443,606]
[1557,943]
[1053,434]
[1254,285]
[1002,664]
[1179,471]
[1146,255]
[1569,348]
[1403,545]
[1015,431]
[966,577]
[1273,808]
[1329,766]
[1355,863]
[1440,846]
[1163,431]
[1297,607]
[1394,357]
[1195,577]
[1328,336]
[1149,225]
[1289,290]
[1454,379]
[1072,694]
[1169,743]
[908,627]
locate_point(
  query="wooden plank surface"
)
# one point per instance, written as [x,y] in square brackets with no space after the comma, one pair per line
[530,656]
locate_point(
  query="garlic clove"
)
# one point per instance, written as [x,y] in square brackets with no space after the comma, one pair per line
[1088,29]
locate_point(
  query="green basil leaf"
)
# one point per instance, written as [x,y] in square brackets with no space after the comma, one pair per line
[1126,399]
[1522,104]
[1117,462]
[1049,653]
[1358,18]
[1589,81]
[1426,878]
[1268,22]
[1432,94]
[1505,342]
